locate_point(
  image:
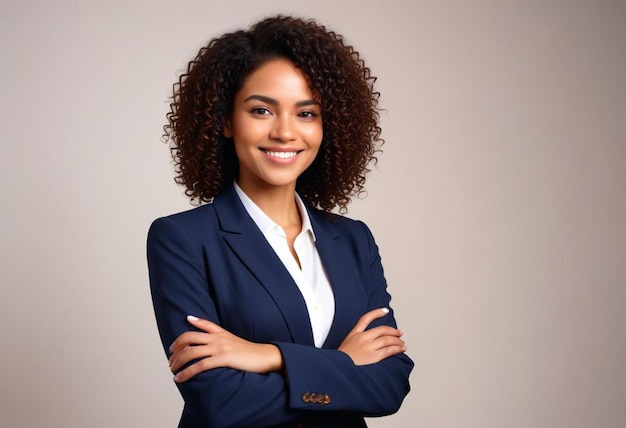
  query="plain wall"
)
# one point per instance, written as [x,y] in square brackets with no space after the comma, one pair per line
[499,203]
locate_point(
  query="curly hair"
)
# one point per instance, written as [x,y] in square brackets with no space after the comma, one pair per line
[203,98]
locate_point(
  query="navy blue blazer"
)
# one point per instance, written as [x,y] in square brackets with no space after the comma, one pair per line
[213,262]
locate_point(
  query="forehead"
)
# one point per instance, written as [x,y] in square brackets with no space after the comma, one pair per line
[278,78]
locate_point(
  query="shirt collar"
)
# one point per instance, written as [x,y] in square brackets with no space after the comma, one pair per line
[304,215]
[265,223]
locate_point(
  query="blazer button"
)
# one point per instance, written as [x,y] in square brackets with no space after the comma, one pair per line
[313,397]
[320,399]
[326,399]
[306,397]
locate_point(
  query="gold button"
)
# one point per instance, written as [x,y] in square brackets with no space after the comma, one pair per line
[320,399]
[313,397]
[326,399]
[306,397]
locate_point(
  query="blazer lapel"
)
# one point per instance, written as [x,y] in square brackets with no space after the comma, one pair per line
[339,262]
[248,243]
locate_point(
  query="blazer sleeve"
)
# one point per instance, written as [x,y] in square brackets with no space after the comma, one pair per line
[180,286]
[369,390]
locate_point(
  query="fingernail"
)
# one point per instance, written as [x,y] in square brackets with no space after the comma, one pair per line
[192,318]
[385,310]
[177,377]
[171,348]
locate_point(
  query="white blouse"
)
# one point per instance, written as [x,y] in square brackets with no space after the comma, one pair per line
[311,279]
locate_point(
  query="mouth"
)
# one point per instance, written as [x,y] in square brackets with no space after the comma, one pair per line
[281,155]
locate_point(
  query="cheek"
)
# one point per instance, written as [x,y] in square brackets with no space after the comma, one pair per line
[248,133]
[314,136]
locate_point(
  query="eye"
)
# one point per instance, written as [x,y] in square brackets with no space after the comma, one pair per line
[307,114]
[261,111]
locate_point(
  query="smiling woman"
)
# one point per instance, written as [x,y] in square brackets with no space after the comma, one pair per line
[272,310]
[276,127]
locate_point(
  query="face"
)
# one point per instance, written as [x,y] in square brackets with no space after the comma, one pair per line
[276,126]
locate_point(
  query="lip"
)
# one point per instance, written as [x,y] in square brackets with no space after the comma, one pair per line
[282,155]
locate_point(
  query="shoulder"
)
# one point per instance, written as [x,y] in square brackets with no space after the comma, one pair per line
[341,225]
[195,215]
[187,222]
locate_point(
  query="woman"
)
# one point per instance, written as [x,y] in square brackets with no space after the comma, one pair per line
[273,311]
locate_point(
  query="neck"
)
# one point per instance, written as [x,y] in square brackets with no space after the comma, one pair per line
[278,202]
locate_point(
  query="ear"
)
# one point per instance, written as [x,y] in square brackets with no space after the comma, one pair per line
[227,132]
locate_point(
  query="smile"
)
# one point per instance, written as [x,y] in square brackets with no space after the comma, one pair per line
[281,155]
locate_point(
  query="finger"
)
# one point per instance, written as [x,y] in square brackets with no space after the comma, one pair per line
[383,330]
[389,341]
[368,317]
[202,324]
[189,353]
[179,353]
[195,369]
[205,325]
[390,351]
[189,338]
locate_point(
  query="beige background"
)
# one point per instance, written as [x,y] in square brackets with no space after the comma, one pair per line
[499,203]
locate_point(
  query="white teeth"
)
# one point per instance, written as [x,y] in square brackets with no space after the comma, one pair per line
[281,155]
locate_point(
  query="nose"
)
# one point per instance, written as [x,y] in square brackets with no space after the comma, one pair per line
[283,129]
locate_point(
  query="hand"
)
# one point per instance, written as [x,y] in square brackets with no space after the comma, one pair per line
[217,347]
[374,345]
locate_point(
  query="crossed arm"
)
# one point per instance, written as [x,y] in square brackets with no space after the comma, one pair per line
[216,347]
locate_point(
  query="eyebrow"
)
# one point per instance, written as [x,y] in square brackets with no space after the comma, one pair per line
[275,102]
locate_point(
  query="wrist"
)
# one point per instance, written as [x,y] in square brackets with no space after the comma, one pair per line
[273,358]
